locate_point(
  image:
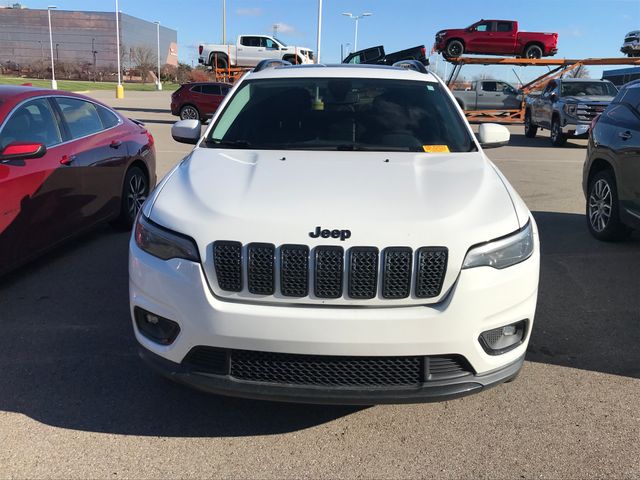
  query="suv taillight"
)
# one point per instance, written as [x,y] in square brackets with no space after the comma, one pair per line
[200,48]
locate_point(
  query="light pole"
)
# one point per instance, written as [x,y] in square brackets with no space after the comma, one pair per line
[224,22]
[159,83]
[356,18]
[319,31]
[119,87]
[54,84]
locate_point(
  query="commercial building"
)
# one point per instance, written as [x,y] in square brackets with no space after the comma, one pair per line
[24,37]
[622,75]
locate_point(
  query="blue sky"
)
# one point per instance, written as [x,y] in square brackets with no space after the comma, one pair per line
[587,28]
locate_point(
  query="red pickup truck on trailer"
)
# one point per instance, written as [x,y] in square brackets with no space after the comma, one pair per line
[495,37]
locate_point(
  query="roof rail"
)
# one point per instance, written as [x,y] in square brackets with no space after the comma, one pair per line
[411,65]
[271,63]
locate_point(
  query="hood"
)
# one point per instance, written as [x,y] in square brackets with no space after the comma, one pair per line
[385,199]
[588,99]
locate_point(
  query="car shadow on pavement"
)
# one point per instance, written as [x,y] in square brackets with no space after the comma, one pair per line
[68,357]
[519,140]
[588,313]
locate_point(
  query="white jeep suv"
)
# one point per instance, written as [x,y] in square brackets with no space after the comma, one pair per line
[336,236]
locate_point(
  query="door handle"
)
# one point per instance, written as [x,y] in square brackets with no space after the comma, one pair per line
[67,159]
[115,144]
[625,135]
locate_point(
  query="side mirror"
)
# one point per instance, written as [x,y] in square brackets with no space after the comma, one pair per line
[22,151]
[492,135]
[553,96]
[187,131]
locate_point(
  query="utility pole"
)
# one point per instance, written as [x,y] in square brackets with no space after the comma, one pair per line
[119,87]
[275,29]
[57,53]
[159,83]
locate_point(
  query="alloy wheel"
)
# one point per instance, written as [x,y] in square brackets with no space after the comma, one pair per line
[136,194]
[600,205]
[189,113]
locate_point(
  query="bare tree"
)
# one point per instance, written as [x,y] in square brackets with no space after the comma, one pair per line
[144,60]
[580,72]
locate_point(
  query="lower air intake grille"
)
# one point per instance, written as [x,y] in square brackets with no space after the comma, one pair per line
[329,267]
[325,370]
[227,258]
[432,265]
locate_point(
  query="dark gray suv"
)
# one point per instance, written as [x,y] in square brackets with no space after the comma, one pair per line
[566,108]
[611,178]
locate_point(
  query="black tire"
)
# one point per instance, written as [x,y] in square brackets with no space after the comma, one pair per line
[189,112]
[558,139]
[135,191]
[533,51]
[455,48]
[530,130]
[602,208]
[219,61]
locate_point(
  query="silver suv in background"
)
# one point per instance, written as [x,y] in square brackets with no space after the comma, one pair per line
[631,45]
[566,108]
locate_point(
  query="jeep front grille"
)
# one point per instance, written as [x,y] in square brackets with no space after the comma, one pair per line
[328,272]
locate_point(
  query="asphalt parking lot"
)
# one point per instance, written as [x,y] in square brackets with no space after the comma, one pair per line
[76,402]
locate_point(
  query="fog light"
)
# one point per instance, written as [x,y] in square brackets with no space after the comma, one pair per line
[503,339]
[156,328]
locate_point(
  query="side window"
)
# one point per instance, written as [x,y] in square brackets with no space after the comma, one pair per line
[490,86]
[250,41]
[550,87]
[268,43]
[224,89]
[504,27]
[196,89]
[81,117]
[211,89]
[355,59]
[631,96]
[108,118]
[483,27]
[506,88]
[32,122]
[623,116]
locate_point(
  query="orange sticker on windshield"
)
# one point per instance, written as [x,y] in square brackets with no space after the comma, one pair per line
[436,148]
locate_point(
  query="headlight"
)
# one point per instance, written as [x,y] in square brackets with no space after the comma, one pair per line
[570,109]
[502,253]
[163,243]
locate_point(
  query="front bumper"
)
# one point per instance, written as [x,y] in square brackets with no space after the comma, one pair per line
[431,392]
[481,299]
[580,130]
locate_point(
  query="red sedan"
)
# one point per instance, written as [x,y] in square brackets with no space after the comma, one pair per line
[198,101]
[67,163]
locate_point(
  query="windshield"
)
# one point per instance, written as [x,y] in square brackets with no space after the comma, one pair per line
[341,114]
[280,41]
[581,89]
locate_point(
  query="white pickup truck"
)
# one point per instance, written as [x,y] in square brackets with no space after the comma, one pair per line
[249,50]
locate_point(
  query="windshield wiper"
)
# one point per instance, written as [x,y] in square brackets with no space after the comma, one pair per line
[218,142]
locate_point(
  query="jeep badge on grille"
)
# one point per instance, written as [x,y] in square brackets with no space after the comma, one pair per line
[341,234]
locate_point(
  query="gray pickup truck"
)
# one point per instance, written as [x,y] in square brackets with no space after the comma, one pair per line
[489,95]
[566,108]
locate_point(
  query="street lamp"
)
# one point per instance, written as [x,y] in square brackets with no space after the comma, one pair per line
[356,18]
[119,88]
[158,83]
[54,84]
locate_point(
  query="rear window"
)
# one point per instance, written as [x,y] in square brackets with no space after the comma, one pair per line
[80,116]
[341,114]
